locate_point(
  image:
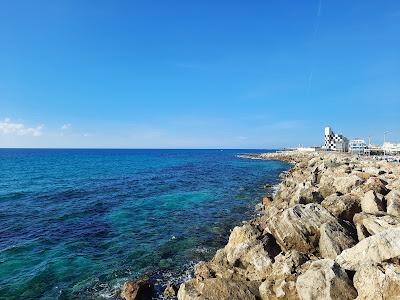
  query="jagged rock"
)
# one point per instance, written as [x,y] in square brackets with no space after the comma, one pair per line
[378,282]
[374,249]
[326,187]
[305,193]
[281,282]
[342,206]
[372,203]
[215,289]
[375,184]
[345,184]
[325,280]
[298,227]
[267,200]
[393,203]
[368,224]
[245,250]
[171,290]
[372,170]
[334,239]
[137,290]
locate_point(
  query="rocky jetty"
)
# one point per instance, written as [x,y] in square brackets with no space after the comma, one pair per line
[332,231]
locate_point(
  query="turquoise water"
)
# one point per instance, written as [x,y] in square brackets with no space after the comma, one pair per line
[74,224]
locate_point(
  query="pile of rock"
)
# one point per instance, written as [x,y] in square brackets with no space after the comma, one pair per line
[332,231]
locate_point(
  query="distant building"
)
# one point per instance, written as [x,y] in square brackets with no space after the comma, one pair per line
[391,148]
[335,142]
[357,146]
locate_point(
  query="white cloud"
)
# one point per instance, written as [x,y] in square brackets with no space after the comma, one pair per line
[66,126]
[10,128]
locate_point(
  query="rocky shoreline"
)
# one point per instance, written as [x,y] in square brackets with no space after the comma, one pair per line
[332,231]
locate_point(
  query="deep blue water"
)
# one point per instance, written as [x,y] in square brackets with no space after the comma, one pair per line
[74,224]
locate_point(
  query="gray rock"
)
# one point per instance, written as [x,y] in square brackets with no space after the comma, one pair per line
[335,238]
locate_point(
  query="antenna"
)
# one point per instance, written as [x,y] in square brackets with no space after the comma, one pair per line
[384,136]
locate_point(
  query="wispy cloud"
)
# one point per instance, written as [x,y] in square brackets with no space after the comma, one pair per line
[66,126]
[7,127]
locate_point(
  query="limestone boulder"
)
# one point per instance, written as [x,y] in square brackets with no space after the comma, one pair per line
[335,238]
[371,250]
[325,280]
[281,281]
[170,290]
[367,224]
[247,250]
[342,206]
[137,290]
[372,203]
[298,227]
[215,289]
[393,202]
[376,184]
[378,282]
[345,184]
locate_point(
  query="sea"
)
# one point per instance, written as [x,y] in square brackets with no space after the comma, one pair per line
[78,223]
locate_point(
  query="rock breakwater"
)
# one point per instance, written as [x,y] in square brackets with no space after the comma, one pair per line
[332,231]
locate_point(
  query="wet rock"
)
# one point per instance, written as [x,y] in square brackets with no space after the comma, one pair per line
[342,206]
[378,282]
[372,203]
[393,203]
[325,280]
[371,250]
[171,290]
[137,290]
[335,238]
[298,227]
[215,289]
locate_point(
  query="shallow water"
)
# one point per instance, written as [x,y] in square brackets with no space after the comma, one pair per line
[77,223]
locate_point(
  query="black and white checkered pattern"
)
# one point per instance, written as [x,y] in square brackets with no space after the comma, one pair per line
[335,142]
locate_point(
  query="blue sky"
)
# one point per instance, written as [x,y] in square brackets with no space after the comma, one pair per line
[197,74]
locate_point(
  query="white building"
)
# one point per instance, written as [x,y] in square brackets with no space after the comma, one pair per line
[357,146]
[391,148]
[335,142]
